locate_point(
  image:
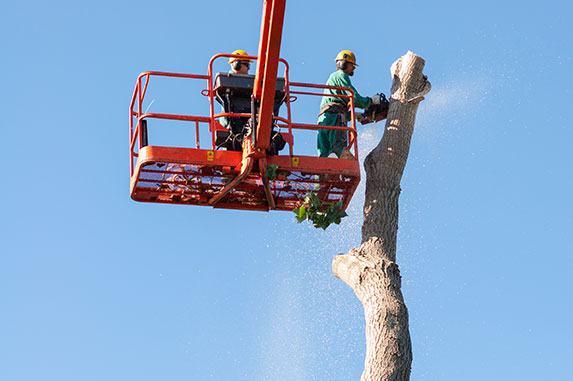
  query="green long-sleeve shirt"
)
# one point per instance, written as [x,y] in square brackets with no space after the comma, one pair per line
[340,78]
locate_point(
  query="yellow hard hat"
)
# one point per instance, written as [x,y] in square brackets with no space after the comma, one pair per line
[346,55]
[239,52]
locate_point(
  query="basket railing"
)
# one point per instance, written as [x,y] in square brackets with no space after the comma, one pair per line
[292,90]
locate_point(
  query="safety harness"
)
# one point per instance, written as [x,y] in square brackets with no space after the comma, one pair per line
[335,108]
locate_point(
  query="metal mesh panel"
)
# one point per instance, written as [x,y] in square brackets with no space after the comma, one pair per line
[196,184]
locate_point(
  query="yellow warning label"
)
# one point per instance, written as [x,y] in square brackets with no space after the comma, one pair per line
[295,161]
[210,155]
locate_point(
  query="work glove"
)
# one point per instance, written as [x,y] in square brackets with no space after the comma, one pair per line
[376,99]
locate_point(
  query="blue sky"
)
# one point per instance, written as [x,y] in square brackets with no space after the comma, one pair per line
[94,286]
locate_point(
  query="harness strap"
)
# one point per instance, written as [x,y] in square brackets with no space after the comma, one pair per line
[335,108]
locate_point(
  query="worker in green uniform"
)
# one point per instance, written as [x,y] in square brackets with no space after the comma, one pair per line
[334,110]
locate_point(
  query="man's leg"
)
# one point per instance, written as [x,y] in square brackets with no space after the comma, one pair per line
[323,143]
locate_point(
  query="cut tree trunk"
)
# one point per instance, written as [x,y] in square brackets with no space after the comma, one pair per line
[371,269]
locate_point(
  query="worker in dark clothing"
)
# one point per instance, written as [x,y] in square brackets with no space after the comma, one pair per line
[238,66]
[239,127]
[334,110]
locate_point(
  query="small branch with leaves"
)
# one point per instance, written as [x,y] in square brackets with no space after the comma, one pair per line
[321,213]
[273,173]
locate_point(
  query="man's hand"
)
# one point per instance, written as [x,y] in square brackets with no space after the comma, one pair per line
[360,117]
[376,99]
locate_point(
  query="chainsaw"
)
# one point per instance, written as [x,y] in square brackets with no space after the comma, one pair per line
[375,112]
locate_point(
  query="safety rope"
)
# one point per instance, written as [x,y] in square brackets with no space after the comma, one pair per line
[402,100]
[419,96]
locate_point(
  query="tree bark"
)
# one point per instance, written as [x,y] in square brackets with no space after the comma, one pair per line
[371,269]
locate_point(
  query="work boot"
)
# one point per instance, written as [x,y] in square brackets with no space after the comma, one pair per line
[346,154]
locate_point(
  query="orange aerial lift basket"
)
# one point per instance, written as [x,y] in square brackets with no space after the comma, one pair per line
[252,173]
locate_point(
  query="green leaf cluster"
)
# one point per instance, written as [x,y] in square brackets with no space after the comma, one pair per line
[272,172]
[322,214]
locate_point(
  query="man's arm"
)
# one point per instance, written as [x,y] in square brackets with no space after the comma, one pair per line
[359,100]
